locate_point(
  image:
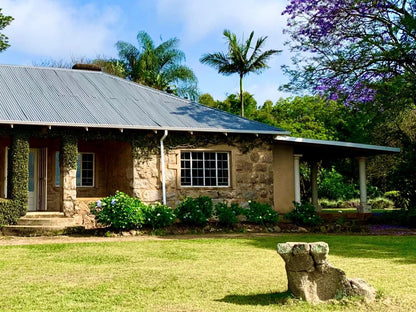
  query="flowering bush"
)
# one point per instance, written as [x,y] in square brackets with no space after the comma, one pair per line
[304,214]
[195,211]
[261,213]
[120,211]
[227,215]
[158,216]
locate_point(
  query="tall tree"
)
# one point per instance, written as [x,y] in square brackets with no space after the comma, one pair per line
[237,59]
[362,53]
[4,21]
[350,45]
[159,66]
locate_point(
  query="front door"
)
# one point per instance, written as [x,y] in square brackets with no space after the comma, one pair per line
[37,179]
[33,179]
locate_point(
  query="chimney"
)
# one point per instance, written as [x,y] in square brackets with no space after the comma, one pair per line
[91,67]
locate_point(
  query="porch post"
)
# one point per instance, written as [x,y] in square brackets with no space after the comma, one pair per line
[364,206]
[68,162]
[314,185]
[296,170]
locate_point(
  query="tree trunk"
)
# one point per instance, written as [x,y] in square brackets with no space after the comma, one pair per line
[241,96]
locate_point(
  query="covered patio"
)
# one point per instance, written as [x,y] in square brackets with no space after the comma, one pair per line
[315,151]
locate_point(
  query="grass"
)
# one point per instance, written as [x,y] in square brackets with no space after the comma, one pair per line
[202,274]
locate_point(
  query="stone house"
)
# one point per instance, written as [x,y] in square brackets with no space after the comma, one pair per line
[86,134]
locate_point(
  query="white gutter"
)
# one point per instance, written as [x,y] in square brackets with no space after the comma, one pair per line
[162,161]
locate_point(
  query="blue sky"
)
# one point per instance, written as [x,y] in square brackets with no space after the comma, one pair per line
[65,29]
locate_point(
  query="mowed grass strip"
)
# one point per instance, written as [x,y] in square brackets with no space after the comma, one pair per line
[202,274]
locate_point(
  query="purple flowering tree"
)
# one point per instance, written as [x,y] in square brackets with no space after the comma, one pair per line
[345,48]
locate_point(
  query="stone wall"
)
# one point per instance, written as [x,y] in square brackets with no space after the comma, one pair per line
[251,176]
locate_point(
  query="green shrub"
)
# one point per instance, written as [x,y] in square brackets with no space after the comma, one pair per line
[10,211]
[261,213]
[326,203]
[351,203]
[195,211]
[304,214]
[381,203]
[332,185]
[227,215]
[397,198]
[158,216]
[120,211]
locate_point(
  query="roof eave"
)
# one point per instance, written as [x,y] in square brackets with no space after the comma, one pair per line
[135,127]
[340,144]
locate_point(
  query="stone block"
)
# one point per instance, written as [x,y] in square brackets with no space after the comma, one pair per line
[312,278]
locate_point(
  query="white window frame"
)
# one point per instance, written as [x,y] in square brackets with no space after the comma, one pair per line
[79,167]
[203,168]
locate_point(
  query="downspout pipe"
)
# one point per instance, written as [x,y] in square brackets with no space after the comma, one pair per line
[162,161]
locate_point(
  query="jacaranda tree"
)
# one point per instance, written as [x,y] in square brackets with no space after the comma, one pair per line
[350,44]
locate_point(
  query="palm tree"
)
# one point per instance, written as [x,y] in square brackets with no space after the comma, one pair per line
[159,66]
[237,60]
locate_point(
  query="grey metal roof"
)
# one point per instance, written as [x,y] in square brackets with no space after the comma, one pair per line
[80,98]
[311,149]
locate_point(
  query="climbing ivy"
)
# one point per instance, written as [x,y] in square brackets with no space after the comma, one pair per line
[69,151]
[18,179]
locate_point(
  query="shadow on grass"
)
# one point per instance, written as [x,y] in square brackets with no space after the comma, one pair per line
[258,299]
[399,248]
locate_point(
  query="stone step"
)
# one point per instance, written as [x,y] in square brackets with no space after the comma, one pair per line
[44,214]
[60,221]
[39,230]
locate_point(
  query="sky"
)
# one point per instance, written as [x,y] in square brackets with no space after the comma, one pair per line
[85,29]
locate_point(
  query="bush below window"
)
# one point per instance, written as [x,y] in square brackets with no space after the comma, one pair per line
[158,216]
[227,215]
[261,213]
[123,212]
[120,211]
[195,211]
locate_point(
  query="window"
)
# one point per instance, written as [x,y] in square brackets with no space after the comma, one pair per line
[85,169]
[205,169]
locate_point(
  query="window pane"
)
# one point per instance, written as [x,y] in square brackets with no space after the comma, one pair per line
[85,169]
[197,168]
[79,170]
[87,173]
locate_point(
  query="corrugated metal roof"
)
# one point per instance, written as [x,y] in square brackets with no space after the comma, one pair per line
[80,98]
[312,149]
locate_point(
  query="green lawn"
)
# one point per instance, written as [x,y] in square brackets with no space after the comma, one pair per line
[203,274]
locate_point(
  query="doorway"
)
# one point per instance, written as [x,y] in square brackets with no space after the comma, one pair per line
[37,179]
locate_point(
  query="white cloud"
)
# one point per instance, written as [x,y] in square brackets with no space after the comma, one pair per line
[59,29]
[200,18]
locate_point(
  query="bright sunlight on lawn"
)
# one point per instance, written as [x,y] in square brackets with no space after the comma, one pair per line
[202,274]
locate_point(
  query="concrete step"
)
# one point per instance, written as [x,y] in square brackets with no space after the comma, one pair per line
[46,221]
[39,230]
[42,223]
[44,214]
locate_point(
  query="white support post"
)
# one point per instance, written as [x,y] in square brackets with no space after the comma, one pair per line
[296,171]
[364,206]
[314,185]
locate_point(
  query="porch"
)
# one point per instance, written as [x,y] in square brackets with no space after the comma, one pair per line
[102,167]
[315,151]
